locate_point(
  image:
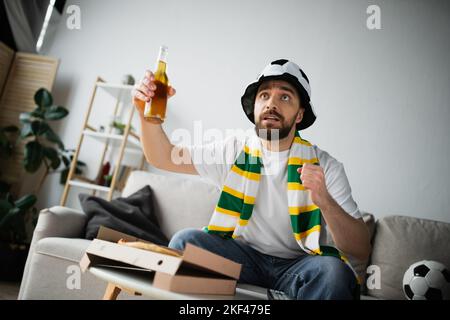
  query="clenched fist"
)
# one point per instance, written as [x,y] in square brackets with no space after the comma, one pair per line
[313,179]
[145,90]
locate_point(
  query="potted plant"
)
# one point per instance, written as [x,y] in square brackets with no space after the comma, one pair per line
[16,217]
[43,147]
[118,127]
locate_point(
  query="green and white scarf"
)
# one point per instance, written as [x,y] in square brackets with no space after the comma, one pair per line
[235,206]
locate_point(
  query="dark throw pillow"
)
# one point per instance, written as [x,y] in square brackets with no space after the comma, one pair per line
[133,215]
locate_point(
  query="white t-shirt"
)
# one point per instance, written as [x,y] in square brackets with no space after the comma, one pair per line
[269,229]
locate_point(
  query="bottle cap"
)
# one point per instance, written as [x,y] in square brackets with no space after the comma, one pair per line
[163,51]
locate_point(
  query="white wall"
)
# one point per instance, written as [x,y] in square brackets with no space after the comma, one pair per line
[381,96]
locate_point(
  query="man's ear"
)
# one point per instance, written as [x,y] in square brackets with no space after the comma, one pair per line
[299,115]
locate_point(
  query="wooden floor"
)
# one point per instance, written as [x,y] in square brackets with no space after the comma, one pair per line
[9,290]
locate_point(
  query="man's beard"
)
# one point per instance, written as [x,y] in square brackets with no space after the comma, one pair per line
[274,134]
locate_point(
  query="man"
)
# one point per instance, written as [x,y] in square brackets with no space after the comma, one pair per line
[285,212]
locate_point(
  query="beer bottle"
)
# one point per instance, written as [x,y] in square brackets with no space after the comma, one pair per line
[155,109]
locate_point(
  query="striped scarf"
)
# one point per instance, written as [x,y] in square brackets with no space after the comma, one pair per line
[235,206]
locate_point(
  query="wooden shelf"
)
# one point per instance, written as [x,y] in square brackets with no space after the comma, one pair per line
[115,140]
[122,92]
[90,186]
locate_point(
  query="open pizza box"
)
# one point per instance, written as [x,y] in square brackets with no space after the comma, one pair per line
[194,270]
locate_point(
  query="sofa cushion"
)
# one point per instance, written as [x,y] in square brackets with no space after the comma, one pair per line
[361,266]
[179,202]
[369,219]
[399,242]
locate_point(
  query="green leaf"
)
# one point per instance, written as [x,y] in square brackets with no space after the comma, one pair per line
[33,156]
[25,117]
[26,202]
[51,154]
[26,131]
[43,98]
[38,113]
[63,176]
[43,128]
[66,161]
[55,113]
[5,206]
[34,128]
[118,125]
[37,126]
[8,218]
[50,135]
[81,163]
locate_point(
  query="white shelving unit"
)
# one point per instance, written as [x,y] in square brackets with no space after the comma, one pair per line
[91,186]
[129,141]
[114,140]
[121,92]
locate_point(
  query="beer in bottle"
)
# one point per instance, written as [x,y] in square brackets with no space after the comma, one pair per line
[155,109]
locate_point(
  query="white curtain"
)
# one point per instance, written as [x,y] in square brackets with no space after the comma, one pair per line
[26,18]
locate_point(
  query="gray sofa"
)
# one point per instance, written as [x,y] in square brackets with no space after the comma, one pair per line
[52,272]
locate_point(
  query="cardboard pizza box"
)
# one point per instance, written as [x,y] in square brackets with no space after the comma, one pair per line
[195,270]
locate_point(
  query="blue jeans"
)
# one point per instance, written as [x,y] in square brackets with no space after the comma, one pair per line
[305,277]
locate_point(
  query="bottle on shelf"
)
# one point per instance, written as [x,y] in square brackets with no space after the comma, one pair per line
[103,173]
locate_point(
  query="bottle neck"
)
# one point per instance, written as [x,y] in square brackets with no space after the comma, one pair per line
[161,63]
[163,54]
[161,67]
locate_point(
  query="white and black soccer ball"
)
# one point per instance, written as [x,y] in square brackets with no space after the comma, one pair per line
[427,280]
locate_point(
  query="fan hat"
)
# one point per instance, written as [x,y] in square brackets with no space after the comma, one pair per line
[290,72]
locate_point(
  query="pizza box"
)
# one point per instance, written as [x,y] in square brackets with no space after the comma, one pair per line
[195,270]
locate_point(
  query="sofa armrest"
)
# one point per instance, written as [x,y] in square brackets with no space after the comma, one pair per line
[56,221]
[60,221]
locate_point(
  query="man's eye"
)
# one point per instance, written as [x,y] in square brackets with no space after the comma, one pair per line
[285,97]
[263,95]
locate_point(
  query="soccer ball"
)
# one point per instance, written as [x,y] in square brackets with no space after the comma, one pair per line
[427,280]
